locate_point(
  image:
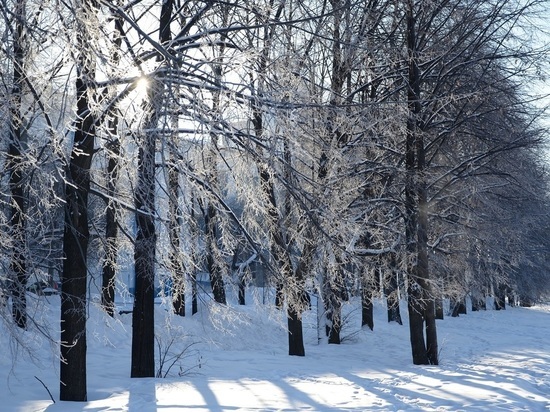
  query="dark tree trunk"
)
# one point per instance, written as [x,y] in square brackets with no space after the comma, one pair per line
[500,298]
[289,283]
[14,164]
[281,257]
[295,336]
[111,224]
[176,265]
[242,289]
[76,233]
[367,307]
[177,270]
[239,272]
[194,293]
[422,257]
[111,230]
[414,291]
[439,312]
[416,323]
[432,348]
[339,72]
[511,298]
[213,261]
[478,303]
[335,325]
[391,290]
[458,307]
[193,273]
[420,297]
[143,326]
[279,295]
[333,307]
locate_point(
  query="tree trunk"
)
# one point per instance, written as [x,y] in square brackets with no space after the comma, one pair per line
[213,260]
[111,230]
[143,325]
[478,303]
[177,269]
[422,256]
[294,280]
[240,278]
[458,307]
[333,307]
[295,335]
[338,74]
[500,297]
[439,312]
[111,224]
[14,165]
[279,295]
[194,237]
[367,307]
[242,290]
[420,296]
[76,234]
[391,290]
[511,298]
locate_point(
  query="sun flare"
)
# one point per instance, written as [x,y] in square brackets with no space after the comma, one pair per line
[141,87]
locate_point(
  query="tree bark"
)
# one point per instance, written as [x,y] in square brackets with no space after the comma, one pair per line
[367,306]
[478,303]
[391,290]
[177,269]
[76,234]
[193,274]
[14,167]
[439,312]
[111,231]
[213,262]
[111,224]
[293,288]
[143,326]
[240,278]
[458,307]
[500,297]
[333,307]
[289,282]
[420,298]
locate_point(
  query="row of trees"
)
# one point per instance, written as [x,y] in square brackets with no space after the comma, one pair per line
[345,146]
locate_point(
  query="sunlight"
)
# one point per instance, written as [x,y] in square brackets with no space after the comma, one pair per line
[141,87]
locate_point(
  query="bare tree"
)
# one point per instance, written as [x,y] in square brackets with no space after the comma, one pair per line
[15,166]
[112,149]
[76,235]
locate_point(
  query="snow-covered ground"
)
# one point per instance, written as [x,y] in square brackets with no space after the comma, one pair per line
[237,360]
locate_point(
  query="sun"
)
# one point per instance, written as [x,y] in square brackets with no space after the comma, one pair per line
[142,85]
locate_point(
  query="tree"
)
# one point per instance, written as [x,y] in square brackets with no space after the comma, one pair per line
[420,298]
[143,324]
[76,235]
[112,149]
[15,166]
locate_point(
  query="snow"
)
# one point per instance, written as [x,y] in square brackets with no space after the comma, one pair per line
[236,360]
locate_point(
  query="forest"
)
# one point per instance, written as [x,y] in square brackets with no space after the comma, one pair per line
[312,148]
